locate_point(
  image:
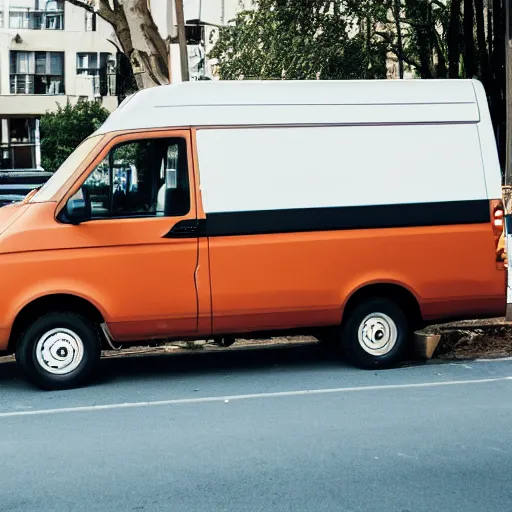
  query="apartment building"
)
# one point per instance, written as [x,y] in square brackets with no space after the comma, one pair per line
[51,52]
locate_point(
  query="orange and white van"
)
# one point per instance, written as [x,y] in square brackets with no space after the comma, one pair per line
[219,209]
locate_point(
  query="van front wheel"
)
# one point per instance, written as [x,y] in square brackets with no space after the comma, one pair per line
[375,334]
[59,350]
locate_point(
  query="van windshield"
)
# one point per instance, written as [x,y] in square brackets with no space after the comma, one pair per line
[66,170]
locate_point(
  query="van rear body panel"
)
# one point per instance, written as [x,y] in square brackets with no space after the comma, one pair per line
[300,218]
[261,282]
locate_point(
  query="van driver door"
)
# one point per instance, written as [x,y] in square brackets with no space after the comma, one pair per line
[130,253]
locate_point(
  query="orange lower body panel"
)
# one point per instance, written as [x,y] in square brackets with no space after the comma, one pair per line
[4,338]
[294,280]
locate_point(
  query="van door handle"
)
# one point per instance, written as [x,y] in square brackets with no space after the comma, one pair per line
[183,228]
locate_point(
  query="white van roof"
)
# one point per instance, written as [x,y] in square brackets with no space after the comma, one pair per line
[294,102]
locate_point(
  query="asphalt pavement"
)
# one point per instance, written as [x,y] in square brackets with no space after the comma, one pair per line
[260,430]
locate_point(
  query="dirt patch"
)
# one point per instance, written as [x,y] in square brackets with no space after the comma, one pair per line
[471,339]
[179,346]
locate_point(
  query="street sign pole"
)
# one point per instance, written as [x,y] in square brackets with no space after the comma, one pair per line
[508,92]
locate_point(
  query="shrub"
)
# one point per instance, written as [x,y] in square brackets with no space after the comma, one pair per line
[63,130]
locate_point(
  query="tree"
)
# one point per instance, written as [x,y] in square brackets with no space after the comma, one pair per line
[138,37]
[62,131]
[483,51]
[454,41]
[414,31]
[299,39]
[469,43]
[331,39]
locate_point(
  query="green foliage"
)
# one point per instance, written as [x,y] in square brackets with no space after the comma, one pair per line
[352,39]
[297,39]
[62,131]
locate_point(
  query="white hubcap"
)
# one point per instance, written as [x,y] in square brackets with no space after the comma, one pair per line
[377,334]
[59,351]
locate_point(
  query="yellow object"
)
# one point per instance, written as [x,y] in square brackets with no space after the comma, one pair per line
[501,249]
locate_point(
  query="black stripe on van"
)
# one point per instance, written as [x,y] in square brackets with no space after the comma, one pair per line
[336,218]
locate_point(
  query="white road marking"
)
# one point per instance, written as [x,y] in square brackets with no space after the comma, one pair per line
[463,365]
[277,394]
[496,360]
[405,456]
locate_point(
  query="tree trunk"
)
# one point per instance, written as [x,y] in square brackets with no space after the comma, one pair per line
[498,52]
[508,94]
[497,91]
[441,69]
[420,8]
[399,41]
[469,42]
[489,27]
[454,39]
[483,56]
[368,43]
[138,37]
[149,56]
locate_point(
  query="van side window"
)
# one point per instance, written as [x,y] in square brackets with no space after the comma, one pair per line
[143,178]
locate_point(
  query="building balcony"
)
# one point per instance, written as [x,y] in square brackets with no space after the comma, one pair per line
[18,155]
[36,20]
[39,104]
[37,84]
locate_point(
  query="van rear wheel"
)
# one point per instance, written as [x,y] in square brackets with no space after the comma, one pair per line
[375,334]
[59,350]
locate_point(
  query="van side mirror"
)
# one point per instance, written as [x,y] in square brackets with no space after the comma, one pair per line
[78,208]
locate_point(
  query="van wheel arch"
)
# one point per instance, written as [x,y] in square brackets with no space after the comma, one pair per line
[52,303]
[403,298]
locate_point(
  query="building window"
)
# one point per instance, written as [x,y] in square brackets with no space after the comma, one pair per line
[90,21]
[19,141]
[95,65]
[37,72]
[1,19]
[49,18]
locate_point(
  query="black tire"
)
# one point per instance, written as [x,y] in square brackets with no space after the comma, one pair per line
[394,318]
[76,331]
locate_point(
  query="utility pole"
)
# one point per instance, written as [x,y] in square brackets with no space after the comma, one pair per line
[507,189]
[182,41]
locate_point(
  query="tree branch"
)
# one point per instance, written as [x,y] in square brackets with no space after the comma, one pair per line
[104,11]
[411,62]
[408,60]
[414,24]
[438,44]
[387,38]
[113,43]
[438,3]
[83,5]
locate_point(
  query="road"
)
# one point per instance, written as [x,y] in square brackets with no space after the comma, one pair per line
[268,430]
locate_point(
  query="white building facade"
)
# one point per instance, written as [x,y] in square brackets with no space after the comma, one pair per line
[51,52]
